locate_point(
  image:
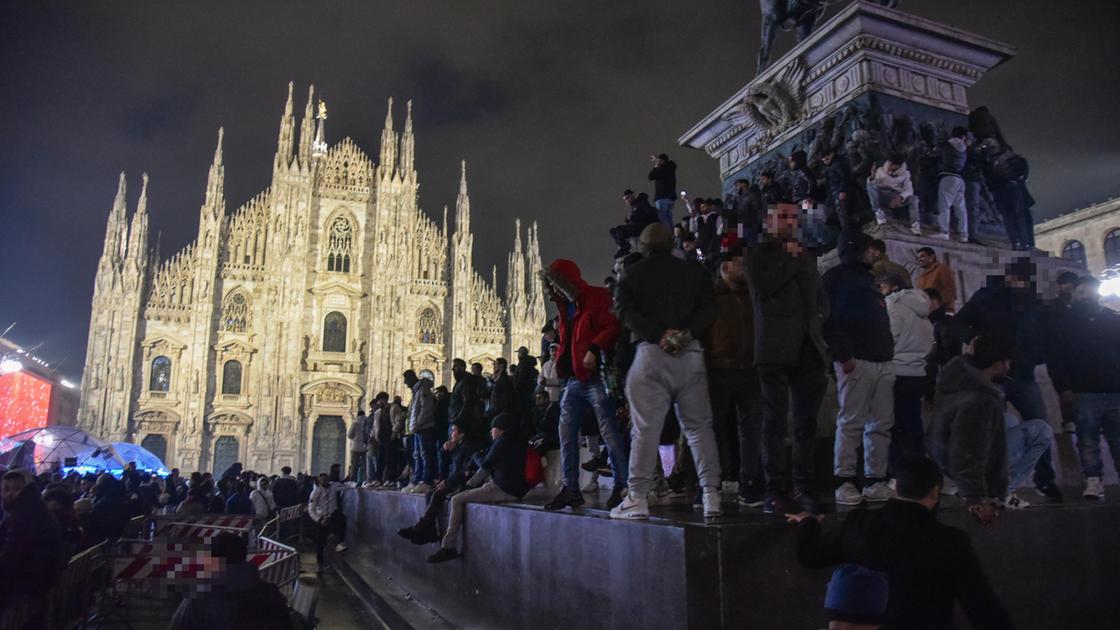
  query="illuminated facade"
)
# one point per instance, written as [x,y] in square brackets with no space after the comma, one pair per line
[256,342]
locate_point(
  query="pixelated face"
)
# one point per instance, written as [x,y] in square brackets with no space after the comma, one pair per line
[783,220]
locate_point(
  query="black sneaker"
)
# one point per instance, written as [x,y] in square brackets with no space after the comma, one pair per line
[443,555]
[778,504]
[751,497]
[1052,491]
[566,498]
[425,535]
[407,532]
[595,463]
[809,501]
[616,497]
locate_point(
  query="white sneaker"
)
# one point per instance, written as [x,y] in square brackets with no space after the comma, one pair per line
[592,486]
[1094,489]
[340,547]
[631,508]
[421,488]
[880,218]
[1014,502]
[949,487]
[878,492]
[848,494]
[916,228]
[712,504]
[408,488]
[944,236]
[963,238]
[730,487]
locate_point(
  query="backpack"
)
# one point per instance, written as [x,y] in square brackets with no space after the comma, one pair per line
[534,470]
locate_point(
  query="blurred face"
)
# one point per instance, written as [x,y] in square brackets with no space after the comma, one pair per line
[499,366]
[765,180]
[689,246]
[925,259]
[552,352]
[456,434]
[323,479]
[892,168]
[10,489]
[783,221]
[458,367]
[886,288]
[476,369]
[1086,294]
[826,159]
[628,199]
[731,272]
[934,304]
[741,187]
[495,433]
[792,165]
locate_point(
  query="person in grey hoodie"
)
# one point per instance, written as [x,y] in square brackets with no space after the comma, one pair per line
[908,310]
[950,184]
[890,186]
[422,426]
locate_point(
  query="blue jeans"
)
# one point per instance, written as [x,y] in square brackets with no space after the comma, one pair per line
[665,211]
[424,456]
[575,401]
[1027,440]
[1097,414]
[1026,397]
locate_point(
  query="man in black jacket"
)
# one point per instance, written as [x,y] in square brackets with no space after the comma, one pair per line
[1086,368]
[501,390]
[32,555]
[641,214]
[858,333]
[466,408]
[1008,307]
[664,178]
[459,449]
[840,184]
[789,307]
[929,566]
[668,305]
[501,477]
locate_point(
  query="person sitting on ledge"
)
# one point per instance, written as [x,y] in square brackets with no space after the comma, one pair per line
[501,477]
[929,566]
[890,186]
[459,449]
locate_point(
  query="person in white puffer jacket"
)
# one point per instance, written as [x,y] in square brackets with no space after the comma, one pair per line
[908,310]
[890,186]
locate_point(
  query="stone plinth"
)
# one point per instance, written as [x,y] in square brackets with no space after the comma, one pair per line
[872,81]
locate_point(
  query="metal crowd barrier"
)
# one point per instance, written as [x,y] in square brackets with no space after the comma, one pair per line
[69,602]
[281,567]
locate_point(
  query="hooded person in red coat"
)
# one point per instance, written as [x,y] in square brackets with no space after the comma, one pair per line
[587,327]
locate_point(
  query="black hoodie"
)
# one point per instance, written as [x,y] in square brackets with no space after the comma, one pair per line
[967,436]
[664,178]
[858,326]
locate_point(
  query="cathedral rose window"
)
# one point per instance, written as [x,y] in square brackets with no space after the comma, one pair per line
[339,245]
[235,313]
[429,327]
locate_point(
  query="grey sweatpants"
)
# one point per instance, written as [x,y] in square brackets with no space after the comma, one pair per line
[488,492]
[867,408]
[950,197]
[657,380]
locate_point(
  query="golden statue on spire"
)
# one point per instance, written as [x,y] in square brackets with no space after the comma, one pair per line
[322,110]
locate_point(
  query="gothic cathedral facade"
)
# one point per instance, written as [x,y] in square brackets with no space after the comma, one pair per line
[259,341]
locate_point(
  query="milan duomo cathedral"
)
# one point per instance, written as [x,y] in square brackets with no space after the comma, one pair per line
[256,342]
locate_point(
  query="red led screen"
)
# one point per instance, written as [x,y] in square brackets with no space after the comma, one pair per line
[25,402]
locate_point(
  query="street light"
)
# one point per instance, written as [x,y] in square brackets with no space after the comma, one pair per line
[8,366]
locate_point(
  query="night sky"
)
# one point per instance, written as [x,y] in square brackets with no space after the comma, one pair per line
[555,105]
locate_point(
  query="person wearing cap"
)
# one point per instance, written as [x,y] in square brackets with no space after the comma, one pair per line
[668,305]
[500,477]
[929,567]
[856,598]
[858,334]
[882,265]
[664,178]
[1008,307]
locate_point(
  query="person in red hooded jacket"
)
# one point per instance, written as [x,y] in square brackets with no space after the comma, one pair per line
[586,327]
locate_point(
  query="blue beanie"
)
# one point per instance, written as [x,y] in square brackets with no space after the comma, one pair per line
[856,595]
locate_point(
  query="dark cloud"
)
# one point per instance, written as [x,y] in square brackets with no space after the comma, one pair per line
[554,104]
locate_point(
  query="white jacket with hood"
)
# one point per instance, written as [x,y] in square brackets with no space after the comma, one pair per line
[900,182]
[913,333]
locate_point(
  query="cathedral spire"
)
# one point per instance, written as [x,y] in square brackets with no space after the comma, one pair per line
[115,224]
[408,144]
[319,147]
[287,131]
[307,128]
[445,221]
[138,232]
[215,181]
[388,160]
[463,203]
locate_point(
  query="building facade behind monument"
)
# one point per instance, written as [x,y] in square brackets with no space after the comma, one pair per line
[256,342]
[1089,237]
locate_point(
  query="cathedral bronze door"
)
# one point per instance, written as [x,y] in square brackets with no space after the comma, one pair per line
[226,451]
[328,444]
[156,445]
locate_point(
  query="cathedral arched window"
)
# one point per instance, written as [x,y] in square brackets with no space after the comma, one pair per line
[160,380]
[429,327]
[334,332]
[1074,251]
[340,243]
[1112,247]
[231,378]
[235,312]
